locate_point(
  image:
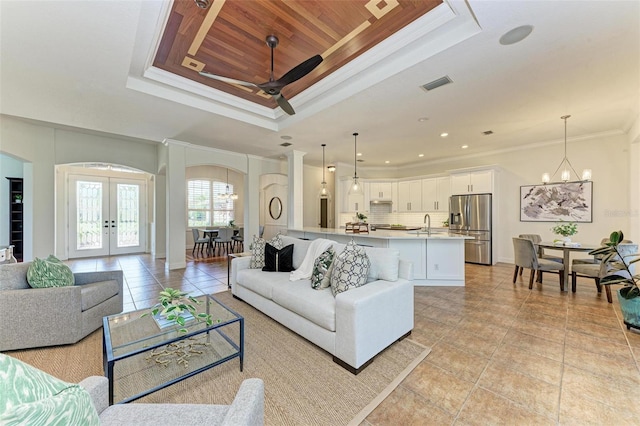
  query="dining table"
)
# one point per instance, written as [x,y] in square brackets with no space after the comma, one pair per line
[567,248]
[211,233]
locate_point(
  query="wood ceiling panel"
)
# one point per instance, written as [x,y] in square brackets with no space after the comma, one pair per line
[228,38]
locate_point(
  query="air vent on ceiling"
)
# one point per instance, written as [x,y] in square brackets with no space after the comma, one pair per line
[286,144]
[487,132]
[360,161]
[437,83]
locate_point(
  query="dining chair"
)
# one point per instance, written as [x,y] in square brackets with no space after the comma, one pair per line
[198,241]
[526,256]
[536,239]
[597,258]
[223,240]
[598,270]
[238,239]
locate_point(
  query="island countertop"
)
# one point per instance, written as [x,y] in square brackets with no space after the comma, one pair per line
[383,234]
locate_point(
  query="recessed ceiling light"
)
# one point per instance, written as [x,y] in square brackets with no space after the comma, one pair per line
[464,146]
[420,155]
[359,154]
[422,119]
[516,35]
[387,162]
[286,137]
[444,135]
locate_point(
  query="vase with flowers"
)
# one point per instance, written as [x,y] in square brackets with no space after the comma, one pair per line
[566,230]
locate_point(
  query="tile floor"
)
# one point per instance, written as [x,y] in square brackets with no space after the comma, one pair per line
[501,354]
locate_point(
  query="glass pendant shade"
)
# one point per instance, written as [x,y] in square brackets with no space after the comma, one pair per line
[586,174]
[228,195]
[324,191]
[356,186]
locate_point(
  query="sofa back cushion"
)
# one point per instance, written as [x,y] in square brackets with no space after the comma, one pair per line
[300,248]
[13,276]
[384,262]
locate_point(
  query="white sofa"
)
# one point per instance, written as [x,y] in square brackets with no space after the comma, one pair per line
[355,325]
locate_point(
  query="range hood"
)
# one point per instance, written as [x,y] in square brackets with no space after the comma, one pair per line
[381,202]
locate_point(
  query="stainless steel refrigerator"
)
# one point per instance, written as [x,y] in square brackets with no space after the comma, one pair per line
[470,215]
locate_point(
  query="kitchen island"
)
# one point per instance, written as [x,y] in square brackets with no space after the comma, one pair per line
[438,259]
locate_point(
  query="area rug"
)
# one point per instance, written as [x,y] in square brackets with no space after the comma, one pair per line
[303,386]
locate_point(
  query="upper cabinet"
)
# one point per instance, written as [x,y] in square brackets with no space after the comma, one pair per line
[435,194]
[410,196]
[380,191]
[476,182]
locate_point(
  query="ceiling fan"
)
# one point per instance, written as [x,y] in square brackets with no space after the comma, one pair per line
[273,86]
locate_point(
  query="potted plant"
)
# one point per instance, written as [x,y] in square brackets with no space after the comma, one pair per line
[232,224]
[361,217]
[617,262]
[566,229]
[17,198]
[178,307]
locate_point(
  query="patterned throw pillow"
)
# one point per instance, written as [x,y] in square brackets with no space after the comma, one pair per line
[350,270]
[278,260]
[322,269]
[257,250]
[49,272]
[30,396]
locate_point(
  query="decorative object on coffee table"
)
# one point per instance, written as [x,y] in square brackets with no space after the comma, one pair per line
[177,307]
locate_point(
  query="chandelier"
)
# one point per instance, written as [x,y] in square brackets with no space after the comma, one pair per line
[356,187]
[228,195]
[324,191]
[565,164]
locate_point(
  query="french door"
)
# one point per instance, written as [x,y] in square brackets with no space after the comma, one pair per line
[106,216]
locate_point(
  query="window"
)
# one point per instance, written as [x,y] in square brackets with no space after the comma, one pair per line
[205,207]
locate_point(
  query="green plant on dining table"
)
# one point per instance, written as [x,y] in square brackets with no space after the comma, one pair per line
[618,266]
[566,229]
[173,304]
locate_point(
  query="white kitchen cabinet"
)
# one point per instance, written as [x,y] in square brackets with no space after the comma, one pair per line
[477,182]
[410,196]
[435,194]
[380,191]
[443,261]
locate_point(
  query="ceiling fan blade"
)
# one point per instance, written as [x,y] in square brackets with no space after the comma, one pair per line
[300,70]
[284,104]
[227,79]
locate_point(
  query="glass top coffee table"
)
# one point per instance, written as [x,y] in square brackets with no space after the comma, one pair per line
[140,357]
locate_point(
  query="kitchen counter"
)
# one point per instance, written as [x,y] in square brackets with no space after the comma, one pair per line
[438,259]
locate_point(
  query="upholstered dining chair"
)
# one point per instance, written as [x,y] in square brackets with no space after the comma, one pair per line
[223,240]
[198,241]
[597,258]
[540,250]
[238,239]
[599,270]
[526,256]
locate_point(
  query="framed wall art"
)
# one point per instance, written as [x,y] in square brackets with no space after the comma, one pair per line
[553,202]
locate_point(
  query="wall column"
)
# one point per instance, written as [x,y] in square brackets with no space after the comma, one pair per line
[295,217]
[176,210]
[252,200]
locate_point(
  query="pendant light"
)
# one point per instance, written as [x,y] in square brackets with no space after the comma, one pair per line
[228,195]
[565,164]
[356,187]
[324,191]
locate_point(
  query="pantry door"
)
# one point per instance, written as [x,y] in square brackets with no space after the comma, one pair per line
[106,216]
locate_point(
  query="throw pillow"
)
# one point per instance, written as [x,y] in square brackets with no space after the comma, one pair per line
[49,272]
[257,250]
[34,397]
[321,269]
[350,270]
[278,260]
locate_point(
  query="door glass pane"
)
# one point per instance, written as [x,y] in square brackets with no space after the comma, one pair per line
[89,215]
[128,225]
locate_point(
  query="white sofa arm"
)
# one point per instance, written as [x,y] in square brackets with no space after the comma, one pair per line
[370,318]
[405,269]
[238,264]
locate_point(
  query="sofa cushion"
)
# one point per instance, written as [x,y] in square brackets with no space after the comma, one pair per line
[258,247]
[49,272]
[95,293]
[13,276]
[300,248]
[384,263]
[278,260]
[351,269]
[31,396]
[321,269]
[260,282]
[318,306]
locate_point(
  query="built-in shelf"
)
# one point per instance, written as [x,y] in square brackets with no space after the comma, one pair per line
[16,219]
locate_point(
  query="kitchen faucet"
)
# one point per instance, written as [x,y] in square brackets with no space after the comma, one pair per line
[426,216]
